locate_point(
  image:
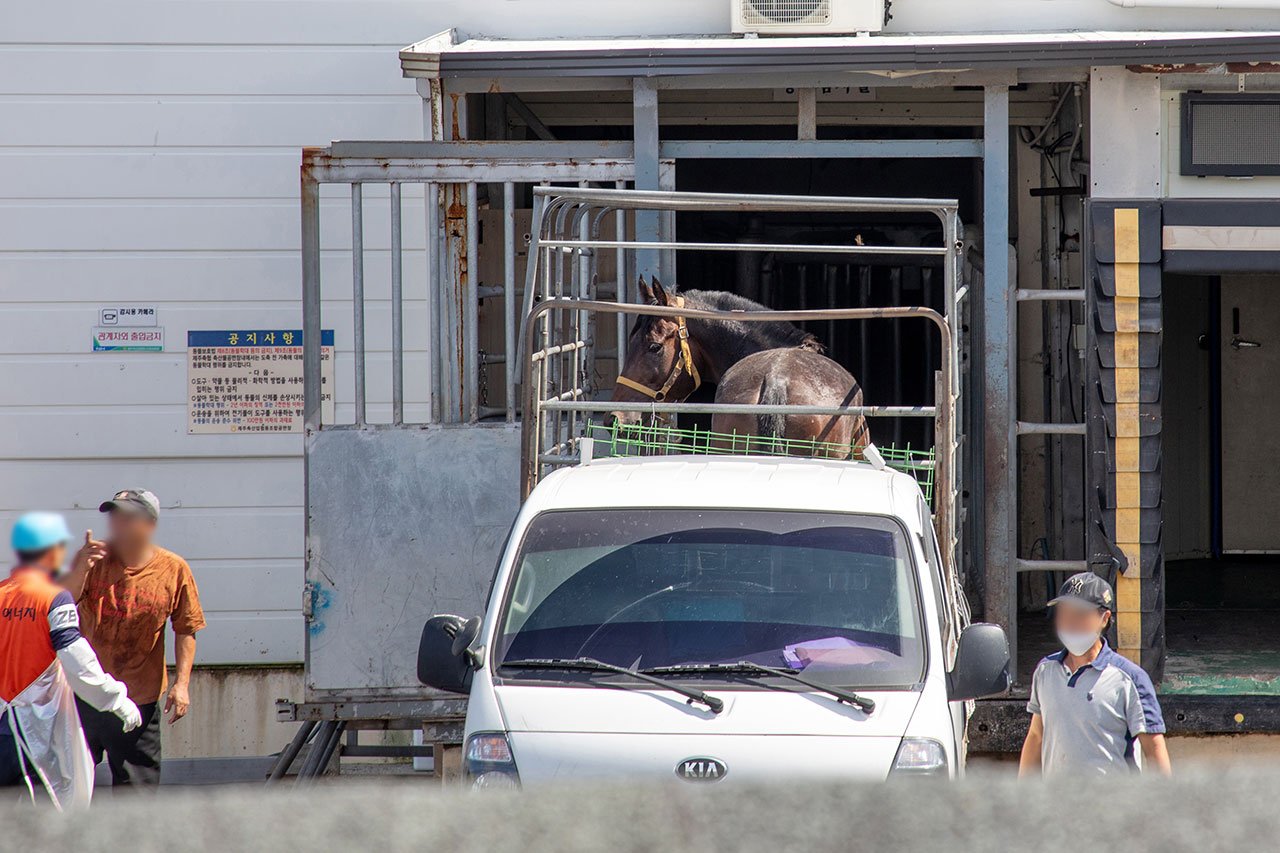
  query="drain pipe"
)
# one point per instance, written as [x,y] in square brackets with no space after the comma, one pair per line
[1197,4]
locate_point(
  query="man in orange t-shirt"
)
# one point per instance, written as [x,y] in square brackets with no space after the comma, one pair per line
[126,589]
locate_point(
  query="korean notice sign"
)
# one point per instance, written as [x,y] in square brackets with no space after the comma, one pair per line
[250,380]
[109,339]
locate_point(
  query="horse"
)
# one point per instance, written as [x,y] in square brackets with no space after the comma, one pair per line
[771,363]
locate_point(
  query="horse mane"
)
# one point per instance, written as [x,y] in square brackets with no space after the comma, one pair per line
[758,336]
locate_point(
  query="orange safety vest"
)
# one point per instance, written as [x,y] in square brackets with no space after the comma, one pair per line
[36,702]
[25,647]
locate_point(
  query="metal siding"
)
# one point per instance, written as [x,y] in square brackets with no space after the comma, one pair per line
[136,168]
[376,573]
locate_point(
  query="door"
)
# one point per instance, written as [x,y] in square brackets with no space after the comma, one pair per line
[1250,351]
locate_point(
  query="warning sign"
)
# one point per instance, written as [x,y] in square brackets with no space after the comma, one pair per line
[250,380]
[107,339]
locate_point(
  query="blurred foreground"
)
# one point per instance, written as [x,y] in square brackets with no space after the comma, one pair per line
[1200,811]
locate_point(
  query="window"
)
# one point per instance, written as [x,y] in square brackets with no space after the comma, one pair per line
[831,594]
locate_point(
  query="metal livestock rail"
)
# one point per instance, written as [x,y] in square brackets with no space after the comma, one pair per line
[560,392]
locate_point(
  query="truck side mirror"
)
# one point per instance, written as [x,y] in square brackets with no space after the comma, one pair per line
[982,663]
[443,662]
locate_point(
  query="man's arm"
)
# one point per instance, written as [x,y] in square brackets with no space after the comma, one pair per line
[1029,763]
[1156,753]
[90,554]
[179,697]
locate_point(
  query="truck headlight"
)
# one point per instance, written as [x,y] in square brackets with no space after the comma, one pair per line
[919,756]
[488,761]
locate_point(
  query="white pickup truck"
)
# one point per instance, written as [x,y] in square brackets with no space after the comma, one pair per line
[712,619]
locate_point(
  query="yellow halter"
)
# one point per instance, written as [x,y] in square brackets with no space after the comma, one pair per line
[684,362]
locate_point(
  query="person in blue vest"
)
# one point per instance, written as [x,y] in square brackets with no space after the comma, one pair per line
[1089,705]
[44,665]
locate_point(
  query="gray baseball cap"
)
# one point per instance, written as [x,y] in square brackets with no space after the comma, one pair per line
[1085,588]
[136,501]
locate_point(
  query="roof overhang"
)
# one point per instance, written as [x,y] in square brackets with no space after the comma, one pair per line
[449,56]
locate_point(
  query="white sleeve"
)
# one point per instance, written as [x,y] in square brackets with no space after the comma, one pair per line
[88,680]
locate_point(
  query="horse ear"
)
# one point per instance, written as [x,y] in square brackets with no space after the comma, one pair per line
[646,292]
[660,293]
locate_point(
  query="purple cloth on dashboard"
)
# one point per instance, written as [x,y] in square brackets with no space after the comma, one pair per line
[833,651]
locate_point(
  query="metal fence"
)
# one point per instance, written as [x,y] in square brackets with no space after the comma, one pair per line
[455,187]
[561,391]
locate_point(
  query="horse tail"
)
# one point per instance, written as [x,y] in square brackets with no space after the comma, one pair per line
[773,392]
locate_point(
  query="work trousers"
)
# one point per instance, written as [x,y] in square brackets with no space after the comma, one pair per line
[134,757]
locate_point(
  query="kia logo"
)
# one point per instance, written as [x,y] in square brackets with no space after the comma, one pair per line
[701,770]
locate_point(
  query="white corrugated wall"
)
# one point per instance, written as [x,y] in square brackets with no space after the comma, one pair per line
[148,155]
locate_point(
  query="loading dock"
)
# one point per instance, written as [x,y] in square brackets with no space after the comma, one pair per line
[1079,295]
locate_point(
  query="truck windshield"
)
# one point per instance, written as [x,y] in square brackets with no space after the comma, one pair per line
[831,595]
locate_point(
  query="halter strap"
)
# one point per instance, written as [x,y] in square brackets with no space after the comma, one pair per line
[683,363]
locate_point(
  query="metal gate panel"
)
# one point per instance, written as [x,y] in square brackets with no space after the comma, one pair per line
[409,506]
[403,523]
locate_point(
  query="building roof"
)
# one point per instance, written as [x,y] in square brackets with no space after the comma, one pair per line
[447,55]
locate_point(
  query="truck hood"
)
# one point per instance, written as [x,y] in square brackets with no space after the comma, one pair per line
[606,710]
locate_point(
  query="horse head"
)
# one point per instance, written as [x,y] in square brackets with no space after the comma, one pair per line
[662,361]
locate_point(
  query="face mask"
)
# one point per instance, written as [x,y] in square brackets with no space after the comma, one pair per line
[1078,643]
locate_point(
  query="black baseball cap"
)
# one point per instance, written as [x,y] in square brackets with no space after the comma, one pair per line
[1085,588]
[136,501]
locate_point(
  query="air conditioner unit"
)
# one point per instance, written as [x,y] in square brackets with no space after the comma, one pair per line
[808,17]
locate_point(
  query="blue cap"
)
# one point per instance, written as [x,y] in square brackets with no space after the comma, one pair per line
[37,531]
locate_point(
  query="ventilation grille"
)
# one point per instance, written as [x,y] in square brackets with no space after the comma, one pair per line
[757,13]
[1230,134]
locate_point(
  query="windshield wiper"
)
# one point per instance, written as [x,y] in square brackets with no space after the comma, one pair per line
[745,666]
[593,665]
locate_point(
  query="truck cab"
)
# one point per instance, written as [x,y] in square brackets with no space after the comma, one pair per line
[717,620]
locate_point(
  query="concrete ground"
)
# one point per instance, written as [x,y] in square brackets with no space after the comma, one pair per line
[1222,811]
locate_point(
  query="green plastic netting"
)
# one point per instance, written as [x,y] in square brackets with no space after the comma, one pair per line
[638,440]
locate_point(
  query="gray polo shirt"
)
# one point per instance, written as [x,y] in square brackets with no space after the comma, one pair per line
[1093,715]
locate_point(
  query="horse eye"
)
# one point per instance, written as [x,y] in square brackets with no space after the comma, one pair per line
[655,347]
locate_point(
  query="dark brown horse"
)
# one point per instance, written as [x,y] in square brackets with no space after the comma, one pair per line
[772,363]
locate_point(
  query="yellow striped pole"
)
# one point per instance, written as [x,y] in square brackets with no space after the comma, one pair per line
[1128,482]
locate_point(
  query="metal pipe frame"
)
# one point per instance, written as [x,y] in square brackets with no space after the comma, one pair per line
[1067,294]
[997,492]
[572,405]
[697,201]
[358,163]
[397,310]
[842,149]
[532,427]
[469,275]
[357,297]
[647,154]
[311,349]
[663,245]
[509,295]
[1029,428]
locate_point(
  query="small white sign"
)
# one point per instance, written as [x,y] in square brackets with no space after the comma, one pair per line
[118,339]
[830,93]
[127,315]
